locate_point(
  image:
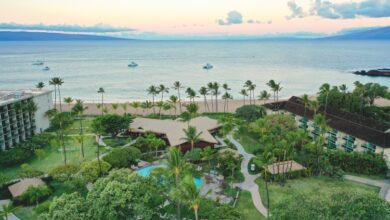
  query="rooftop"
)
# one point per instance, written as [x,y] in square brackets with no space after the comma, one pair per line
[8,96]
[173,129]
[357,125]
[20,187]
[284,167]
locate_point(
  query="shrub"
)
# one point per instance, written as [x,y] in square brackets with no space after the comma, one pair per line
[64,172]
[369,164]
[250,112]
[194,155]
[44,207]
[14,156]
[34,193]
[28,172]
[64,117]
[123,157]
[111,123]
[90,170]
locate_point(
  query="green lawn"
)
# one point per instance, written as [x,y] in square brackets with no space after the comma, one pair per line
[315,185]
[26,213]
[246,208]
[117,142]
[75,127]
[54,158]
[248,141]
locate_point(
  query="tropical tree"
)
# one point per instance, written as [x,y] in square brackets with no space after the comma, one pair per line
[68,101]
[8,209]
[244,94]
[173,100]
[210,88]
[153,90]
[160,105]
[264,161]
[177,86]
[40,85]
[226,98]
[192,109]
[192,136]
[58,82]
[306,102]
[208,154]
[146,105]
[191,94]
[324,90]
[137,105]
[264,96]
[190,194]
[162,89]
[320,121]
[34,193]
[314,106]
[124,107]
[101,91]
[216,92]
[115,106]
[51,82]
[248,85]
[79,109]
[204,92]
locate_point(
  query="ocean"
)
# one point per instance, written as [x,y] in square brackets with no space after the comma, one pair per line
[301,66]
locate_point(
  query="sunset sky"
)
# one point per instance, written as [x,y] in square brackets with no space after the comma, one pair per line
[193,17]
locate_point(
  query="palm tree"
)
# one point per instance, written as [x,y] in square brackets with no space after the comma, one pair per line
[162,89]
[266,159]
[192,135]
[101,91]
[192,109]
[306,102]
[176,167]
[226,98]
[174,100]
[31,107]
[272,86]
[58,82]
[159,104]
[51,82]
[68,101]
[210,88]
[152,90]
[216,93]
[244,93]
[115,107]
[8,209]
[264,95]
[204,92]
[79,109]
[190,194]
[248,84]
[146,105]
[314,106]
[321,122]
[324,90]
[276,88]
[124,107]
[343,88]
[136,105]
[40,85]
[207,154]
[252,88]
[177,86]
[191,94]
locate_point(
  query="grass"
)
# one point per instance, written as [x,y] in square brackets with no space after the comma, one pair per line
[373,177]
[117,142]
[217,115]
[27,212]
[314,185]
[75,127]
[53,156]
[248,141]
[246,208]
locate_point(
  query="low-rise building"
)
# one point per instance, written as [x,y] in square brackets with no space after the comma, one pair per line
[349,131]
[22,115]
[172,130]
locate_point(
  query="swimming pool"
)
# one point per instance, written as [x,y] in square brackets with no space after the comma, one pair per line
[145,171]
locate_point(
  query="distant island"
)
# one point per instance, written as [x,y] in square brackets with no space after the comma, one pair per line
[46,36]
[382,33]
[377,72]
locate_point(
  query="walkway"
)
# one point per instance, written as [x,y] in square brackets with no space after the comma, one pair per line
[384,185]
[249,184]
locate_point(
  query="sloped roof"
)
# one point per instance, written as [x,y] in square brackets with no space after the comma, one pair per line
[173,129]
[284,167]
[20,187]
[357,125]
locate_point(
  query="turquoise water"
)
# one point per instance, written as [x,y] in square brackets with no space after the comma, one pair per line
[145,171]
[301,66]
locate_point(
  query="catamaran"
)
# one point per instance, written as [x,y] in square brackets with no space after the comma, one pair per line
[207,66]
[132,64]
[38,63]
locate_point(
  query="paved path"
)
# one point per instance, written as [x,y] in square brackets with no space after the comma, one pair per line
[384,185]
[249,184]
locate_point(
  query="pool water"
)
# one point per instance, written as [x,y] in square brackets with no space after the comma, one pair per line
[145,171]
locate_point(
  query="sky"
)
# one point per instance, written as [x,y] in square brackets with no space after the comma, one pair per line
[197,18]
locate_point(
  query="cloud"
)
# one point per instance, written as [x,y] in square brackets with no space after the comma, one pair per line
[345,10]
[98,28]
[233,17]
[297,11]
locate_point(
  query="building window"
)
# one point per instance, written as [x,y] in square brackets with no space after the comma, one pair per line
[369,148]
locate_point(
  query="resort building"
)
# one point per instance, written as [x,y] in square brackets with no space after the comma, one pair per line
[19,119]
[172,130]
[349,131]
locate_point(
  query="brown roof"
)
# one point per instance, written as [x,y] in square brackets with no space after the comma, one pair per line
[357,125]
[284,167]
[20,187]
[173,129]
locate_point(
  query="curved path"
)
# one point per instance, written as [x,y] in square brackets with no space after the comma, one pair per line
[249,184]
[384,185]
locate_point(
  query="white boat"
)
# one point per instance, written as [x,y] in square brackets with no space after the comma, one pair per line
[207,66]
[38,63]
[46,68]
[132,64]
